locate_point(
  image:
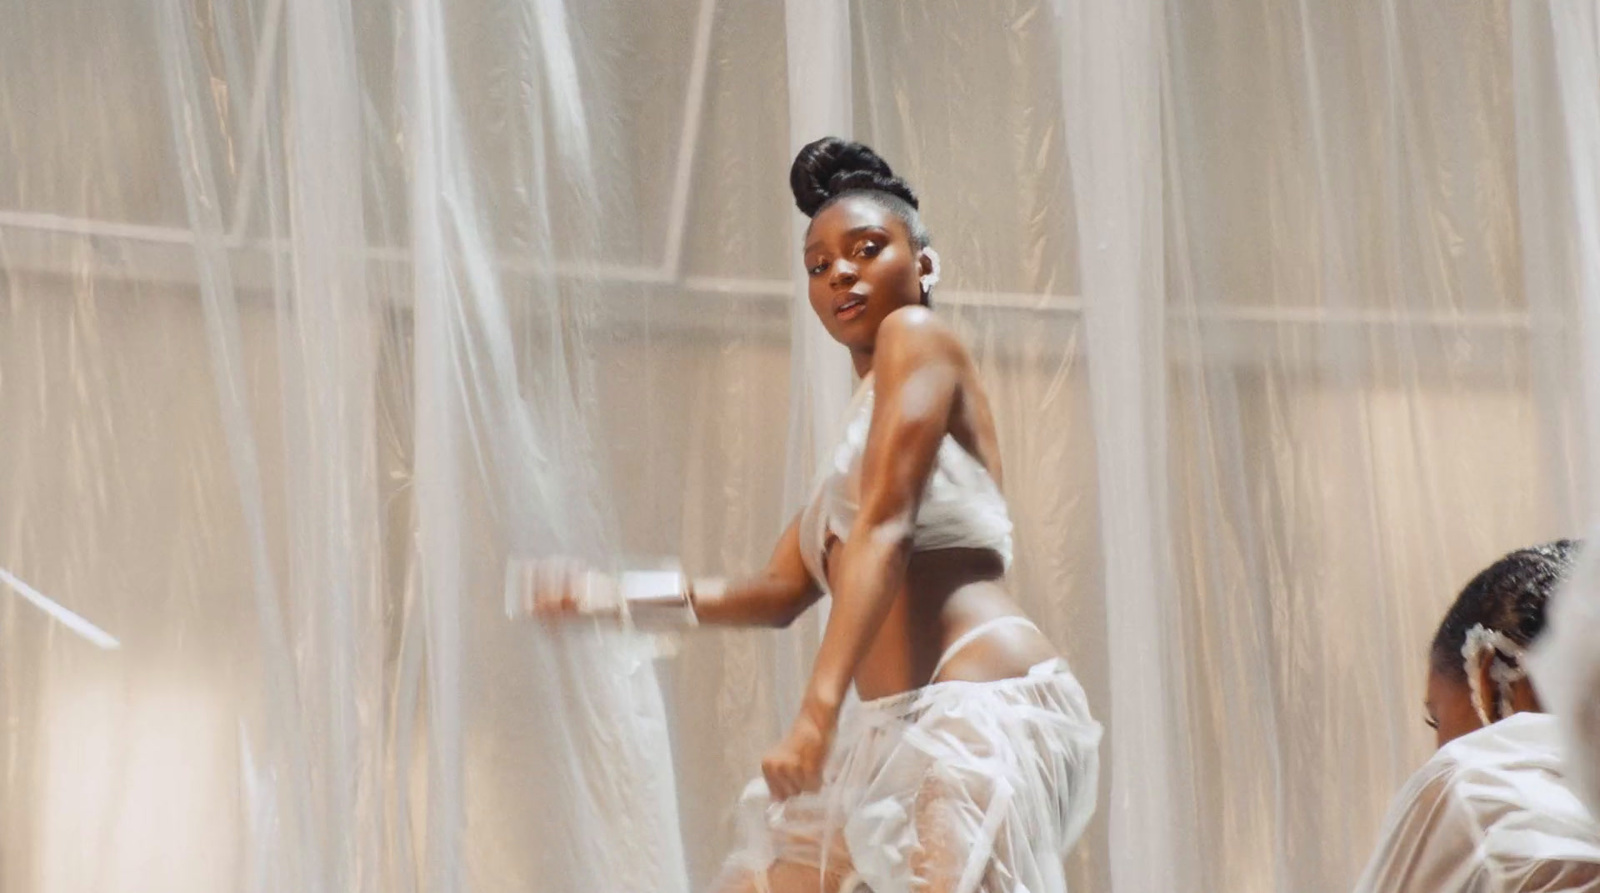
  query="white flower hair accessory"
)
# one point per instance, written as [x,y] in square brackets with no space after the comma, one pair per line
[930,278]
[1505,667]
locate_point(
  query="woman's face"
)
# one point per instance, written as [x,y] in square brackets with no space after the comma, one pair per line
[861,267]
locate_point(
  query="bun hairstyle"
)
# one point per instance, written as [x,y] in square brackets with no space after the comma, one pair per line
[831,168]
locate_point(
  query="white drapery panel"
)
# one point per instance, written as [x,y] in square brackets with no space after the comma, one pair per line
[1563,109]
[313,312]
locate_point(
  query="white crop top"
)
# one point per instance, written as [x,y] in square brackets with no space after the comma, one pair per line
[961,507]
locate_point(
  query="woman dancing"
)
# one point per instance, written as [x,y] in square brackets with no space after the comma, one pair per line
[968,760]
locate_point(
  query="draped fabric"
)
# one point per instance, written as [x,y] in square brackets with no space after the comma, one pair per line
[313,312]
[1492,810]
[1566,665]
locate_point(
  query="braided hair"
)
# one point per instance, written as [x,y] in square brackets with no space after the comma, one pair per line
[1508,598]
[831,168]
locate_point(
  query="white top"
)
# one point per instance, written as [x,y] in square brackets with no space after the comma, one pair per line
[961,507]
[1491,812]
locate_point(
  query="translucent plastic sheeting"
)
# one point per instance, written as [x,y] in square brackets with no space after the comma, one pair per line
[313,311]
[1567,668]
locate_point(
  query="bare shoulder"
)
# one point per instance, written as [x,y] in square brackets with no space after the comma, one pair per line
[915,336]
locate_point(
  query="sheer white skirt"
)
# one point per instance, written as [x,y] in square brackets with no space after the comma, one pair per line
[968,787]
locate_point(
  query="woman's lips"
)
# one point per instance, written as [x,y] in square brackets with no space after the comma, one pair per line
[852,307]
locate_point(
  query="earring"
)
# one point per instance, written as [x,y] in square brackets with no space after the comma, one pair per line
[930,278]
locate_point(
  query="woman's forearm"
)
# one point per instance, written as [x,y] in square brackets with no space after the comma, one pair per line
[872,570]
[775,597]
[763,600]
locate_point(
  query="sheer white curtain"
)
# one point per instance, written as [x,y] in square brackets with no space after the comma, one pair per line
[1361,411]
[311,313]
[1561,99]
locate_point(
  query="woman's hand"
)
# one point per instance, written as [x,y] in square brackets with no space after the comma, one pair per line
[795,765]
[564,590]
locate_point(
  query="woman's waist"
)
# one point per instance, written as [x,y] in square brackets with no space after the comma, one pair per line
[1051,676]
[970,631]
[934,575]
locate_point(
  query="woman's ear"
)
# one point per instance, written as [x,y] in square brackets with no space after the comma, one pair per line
[928,267]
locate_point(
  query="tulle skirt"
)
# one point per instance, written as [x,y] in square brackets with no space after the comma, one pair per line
[967,787]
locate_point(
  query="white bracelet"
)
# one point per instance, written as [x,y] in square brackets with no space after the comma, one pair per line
[708,586]
[656,600]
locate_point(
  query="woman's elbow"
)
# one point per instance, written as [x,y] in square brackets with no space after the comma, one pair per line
[892,536]
[794,608]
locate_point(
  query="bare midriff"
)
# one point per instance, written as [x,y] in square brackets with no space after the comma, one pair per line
[946,593]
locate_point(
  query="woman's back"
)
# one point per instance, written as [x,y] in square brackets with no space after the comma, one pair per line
[1491,812]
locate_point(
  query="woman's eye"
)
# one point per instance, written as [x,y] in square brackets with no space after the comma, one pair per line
[817,269]
[871,249]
